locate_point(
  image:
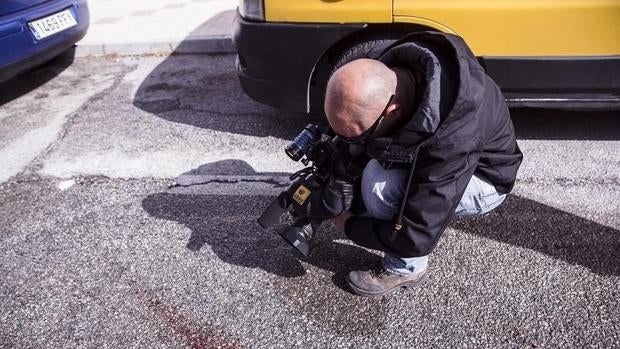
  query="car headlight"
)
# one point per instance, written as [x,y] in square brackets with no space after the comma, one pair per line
[252,9]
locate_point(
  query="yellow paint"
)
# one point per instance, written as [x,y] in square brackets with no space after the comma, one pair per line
[329,11]
[523,27]
[490,27]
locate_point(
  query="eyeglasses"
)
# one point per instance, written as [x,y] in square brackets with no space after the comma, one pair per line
[365,136]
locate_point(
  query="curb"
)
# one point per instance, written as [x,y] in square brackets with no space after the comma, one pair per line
[191,45]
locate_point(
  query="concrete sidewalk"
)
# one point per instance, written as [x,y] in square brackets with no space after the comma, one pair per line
[158,27]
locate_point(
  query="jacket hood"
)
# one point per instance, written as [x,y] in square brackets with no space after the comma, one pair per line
[410,56]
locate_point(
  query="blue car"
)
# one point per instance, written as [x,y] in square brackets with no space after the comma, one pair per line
[34,31]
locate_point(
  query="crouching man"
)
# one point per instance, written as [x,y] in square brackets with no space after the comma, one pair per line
[441,142]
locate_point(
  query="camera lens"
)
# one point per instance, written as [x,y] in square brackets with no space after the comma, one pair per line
[294,151]
[298,236]
[301,144]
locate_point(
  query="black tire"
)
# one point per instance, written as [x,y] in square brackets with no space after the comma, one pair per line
[366,49]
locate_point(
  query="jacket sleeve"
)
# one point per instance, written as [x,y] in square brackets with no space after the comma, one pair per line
[441,175]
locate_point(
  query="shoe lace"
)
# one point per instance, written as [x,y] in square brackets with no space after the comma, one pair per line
[378,271]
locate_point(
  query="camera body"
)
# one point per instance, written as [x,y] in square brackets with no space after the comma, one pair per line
[320,191]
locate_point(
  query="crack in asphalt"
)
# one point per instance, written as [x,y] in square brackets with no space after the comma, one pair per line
[188,181]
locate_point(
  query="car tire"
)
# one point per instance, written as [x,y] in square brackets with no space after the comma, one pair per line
[368,49]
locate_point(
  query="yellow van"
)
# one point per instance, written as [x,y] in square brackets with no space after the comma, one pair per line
[542,53]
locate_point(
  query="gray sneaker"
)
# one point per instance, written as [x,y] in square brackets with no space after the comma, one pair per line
[377,281]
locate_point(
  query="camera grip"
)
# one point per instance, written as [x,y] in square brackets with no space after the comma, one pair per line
[342,190]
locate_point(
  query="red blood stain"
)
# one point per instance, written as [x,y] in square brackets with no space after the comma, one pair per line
[197,337]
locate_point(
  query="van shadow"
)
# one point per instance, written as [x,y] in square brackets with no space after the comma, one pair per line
[203,90]
[30,81]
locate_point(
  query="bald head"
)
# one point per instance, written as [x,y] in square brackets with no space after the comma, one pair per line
[357,94]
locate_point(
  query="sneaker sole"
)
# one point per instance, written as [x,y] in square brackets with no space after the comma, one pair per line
[409,284]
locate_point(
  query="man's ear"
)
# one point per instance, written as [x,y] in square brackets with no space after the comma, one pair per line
[393,110]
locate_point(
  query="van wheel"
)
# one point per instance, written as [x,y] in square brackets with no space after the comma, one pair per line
[368,49]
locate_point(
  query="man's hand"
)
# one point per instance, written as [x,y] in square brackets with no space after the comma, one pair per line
[340,220]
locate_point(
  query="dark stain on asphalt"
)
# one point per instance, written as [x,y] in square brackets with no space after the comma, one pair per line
[323,296]
[219,78]
[163,87]
[159,105]
[195,336]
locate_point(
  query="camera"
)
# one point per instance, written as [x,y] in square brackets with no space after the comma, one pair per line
[318,192]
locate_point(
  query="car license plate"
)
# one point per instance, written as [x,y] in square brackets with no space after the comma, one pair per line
[50,25]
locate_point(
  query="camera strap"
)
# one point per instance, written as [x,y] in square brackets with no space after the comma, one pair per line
[398,224]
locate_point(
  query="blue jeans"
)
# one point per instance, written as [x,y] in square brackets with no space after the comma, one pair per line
[383,190]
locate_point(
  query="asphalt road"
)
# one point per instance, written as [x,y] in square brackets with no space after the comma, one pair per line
[97,249]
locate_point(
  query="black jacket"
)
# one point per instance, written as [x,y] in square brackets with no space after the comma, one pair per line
[462,127]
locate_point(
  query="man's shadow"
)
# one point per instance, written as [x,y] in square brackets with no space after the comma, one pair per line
[227,224]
